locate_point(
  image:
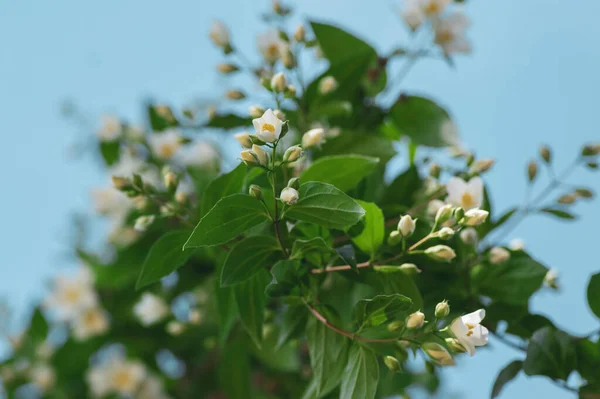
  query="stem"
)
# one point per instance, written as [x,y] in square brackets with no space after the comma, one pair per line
[506,342]
[275,204]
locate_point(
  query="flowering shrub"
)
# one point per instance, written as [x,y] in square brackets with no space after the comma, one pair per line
[302,271]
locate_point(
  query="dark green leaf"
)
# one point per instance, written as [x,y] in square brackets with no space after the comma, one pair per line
[286,275]
[425,122]
[293,324]
[161,118]
[362,144]
[361,376]
[224,185]
[230,217]
[506,375]
[593,294]
[315,245]
[400,283]
[551,353]
[342,171]
[38,328]
[249,256]
[226,308]
[110,151]
[234,370]
[325,205]
[250,299]
[403,189]
[346,253]
[165,256]
[338,45]
[559,213]
[229,121]
[381,309]
[371,237]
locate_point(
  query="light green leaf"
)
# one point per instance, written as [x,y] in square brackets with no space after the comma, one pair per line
[593,294]
[224,185]
[249,256]
[361,376]
[425,122]
[111,150]
[161,117]
[559,213]
[315,251]
[371,237]
[551,353]
[164,257]
[38,327]
[325,205]
[250,298]
[230,217]
[506,375]
[342,171]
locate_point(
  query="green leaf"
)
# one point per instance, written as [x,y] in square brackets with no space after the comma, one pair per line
[293,324]
[228,121]
[38,328]
[551,353]
[250,299]
[328,353]
[286,275]
[593,294]
[381,309]
[224,185]
[361,375]
[506,375]
[234,370]
[226,309]
[110,151]
[338,45]
[248,257]
[325,205]
[425,122]
[512,282]
[371,237]
[400,283]
[403,189]
[164,257]
[316,251]
[230,217]
[369,145]
[161,118]
[559,213]
[346,253]
[342,171]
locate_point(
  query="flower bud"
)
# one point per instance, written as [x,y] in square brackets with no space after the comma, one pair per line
[287,59]
[584,193]
[171,181]
[219,34]
[532,171]
[256,140]
[498,255]
[433,207]
[441,253]
[442,309]
[455,345]
[445,233]
[327,85]
[255,191]
[244,139]
[567,199]
[474,217]
[294,183]
[175,328]
[458,213]
[300,33]
[590,150]
[121,183]
[227,68]
[395,238]
[235,95]
[195,317]
[313,138]
[435,170]
[255,111]
[392,363]
[292,154]
[516,244]
[443,214]
[395,325]
[280,115]
[290,91]
[278,82]
[551,279]
[262,155]
[592,165]
[410,269]
[181,197]
[469,236]
[415,320]
[143,222]
[438,354]
[481,166]
[406,226]
[545,154]
[250,158]
[289,195]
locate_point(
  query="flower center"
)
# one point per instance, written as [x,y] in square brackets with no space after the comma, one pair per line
[273,50]
[166,150]
[470,327]
[72,294]
[467,201]
[444,36]
[268,127]
[432,8]
[122,380]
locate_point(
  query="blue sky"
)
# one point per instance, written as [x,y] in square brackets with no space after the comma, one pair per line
[533,78]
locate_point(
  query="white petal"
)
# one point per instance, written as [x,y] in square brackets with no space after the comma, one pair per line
[269,117]
[475,188]
[458,328]
[480,336]
[458,21]
[257,124]
[456,187]
[474,318]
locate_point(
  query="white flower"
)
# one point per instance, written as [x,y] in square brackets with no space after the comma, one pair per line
[152,388]
[200,154]
[438,354]
[441,252]
[150,309]
[406,225]
[289,195]
[72,294]
[263,156]
[110,201]
[498,255]
[122,236]
[449,33]
[469,236]
[249,157]
[111,128]
[551,278]
[516,244]
[219,34]
[244,139]
[474,217]
[255,111]
[412,14]
[166,144]
[469,332]
[89,323]
[433,207]
[142,223]
[415,320]
[268,126]
[278,82]
[271,46]
[128,165]
[466,195]
[327,85]
[433,8]
[313,138]
[43,376]
[116,375]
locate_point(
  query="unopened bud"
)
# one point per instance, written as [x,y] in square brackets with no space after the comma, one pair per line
[410,269]
[171,181]
[415,320]
[392,363]
[532,171]
[175,328]
[455,345]
[289,195]
[545,154]
[406,225]
[551,279]
[300,33]
[280,115]
[278,82]
[469,236]
[445,233]
[195,316]
[278,8]
[438,354]
[256,140]
[227,68]
[584,193]
[292,154]
[143,222]
[294,183]
[290,91]
[441,253]
[244,139]
[235,95]
[474,217]
[250,158]
[458,213]
[435,170]
[481,166]
[288,60]
[395,325]
[181,198]
[395,238]
[121,183]
[327,85]
[590,150]
[443,214]
[498,255]
[255,111]
[263,156]
[255,191]
[442,309]
[592,165]
[313,138]
[567,199]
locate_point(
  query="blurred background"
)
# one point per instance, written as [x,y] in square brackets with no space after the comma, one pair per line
[532,79]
